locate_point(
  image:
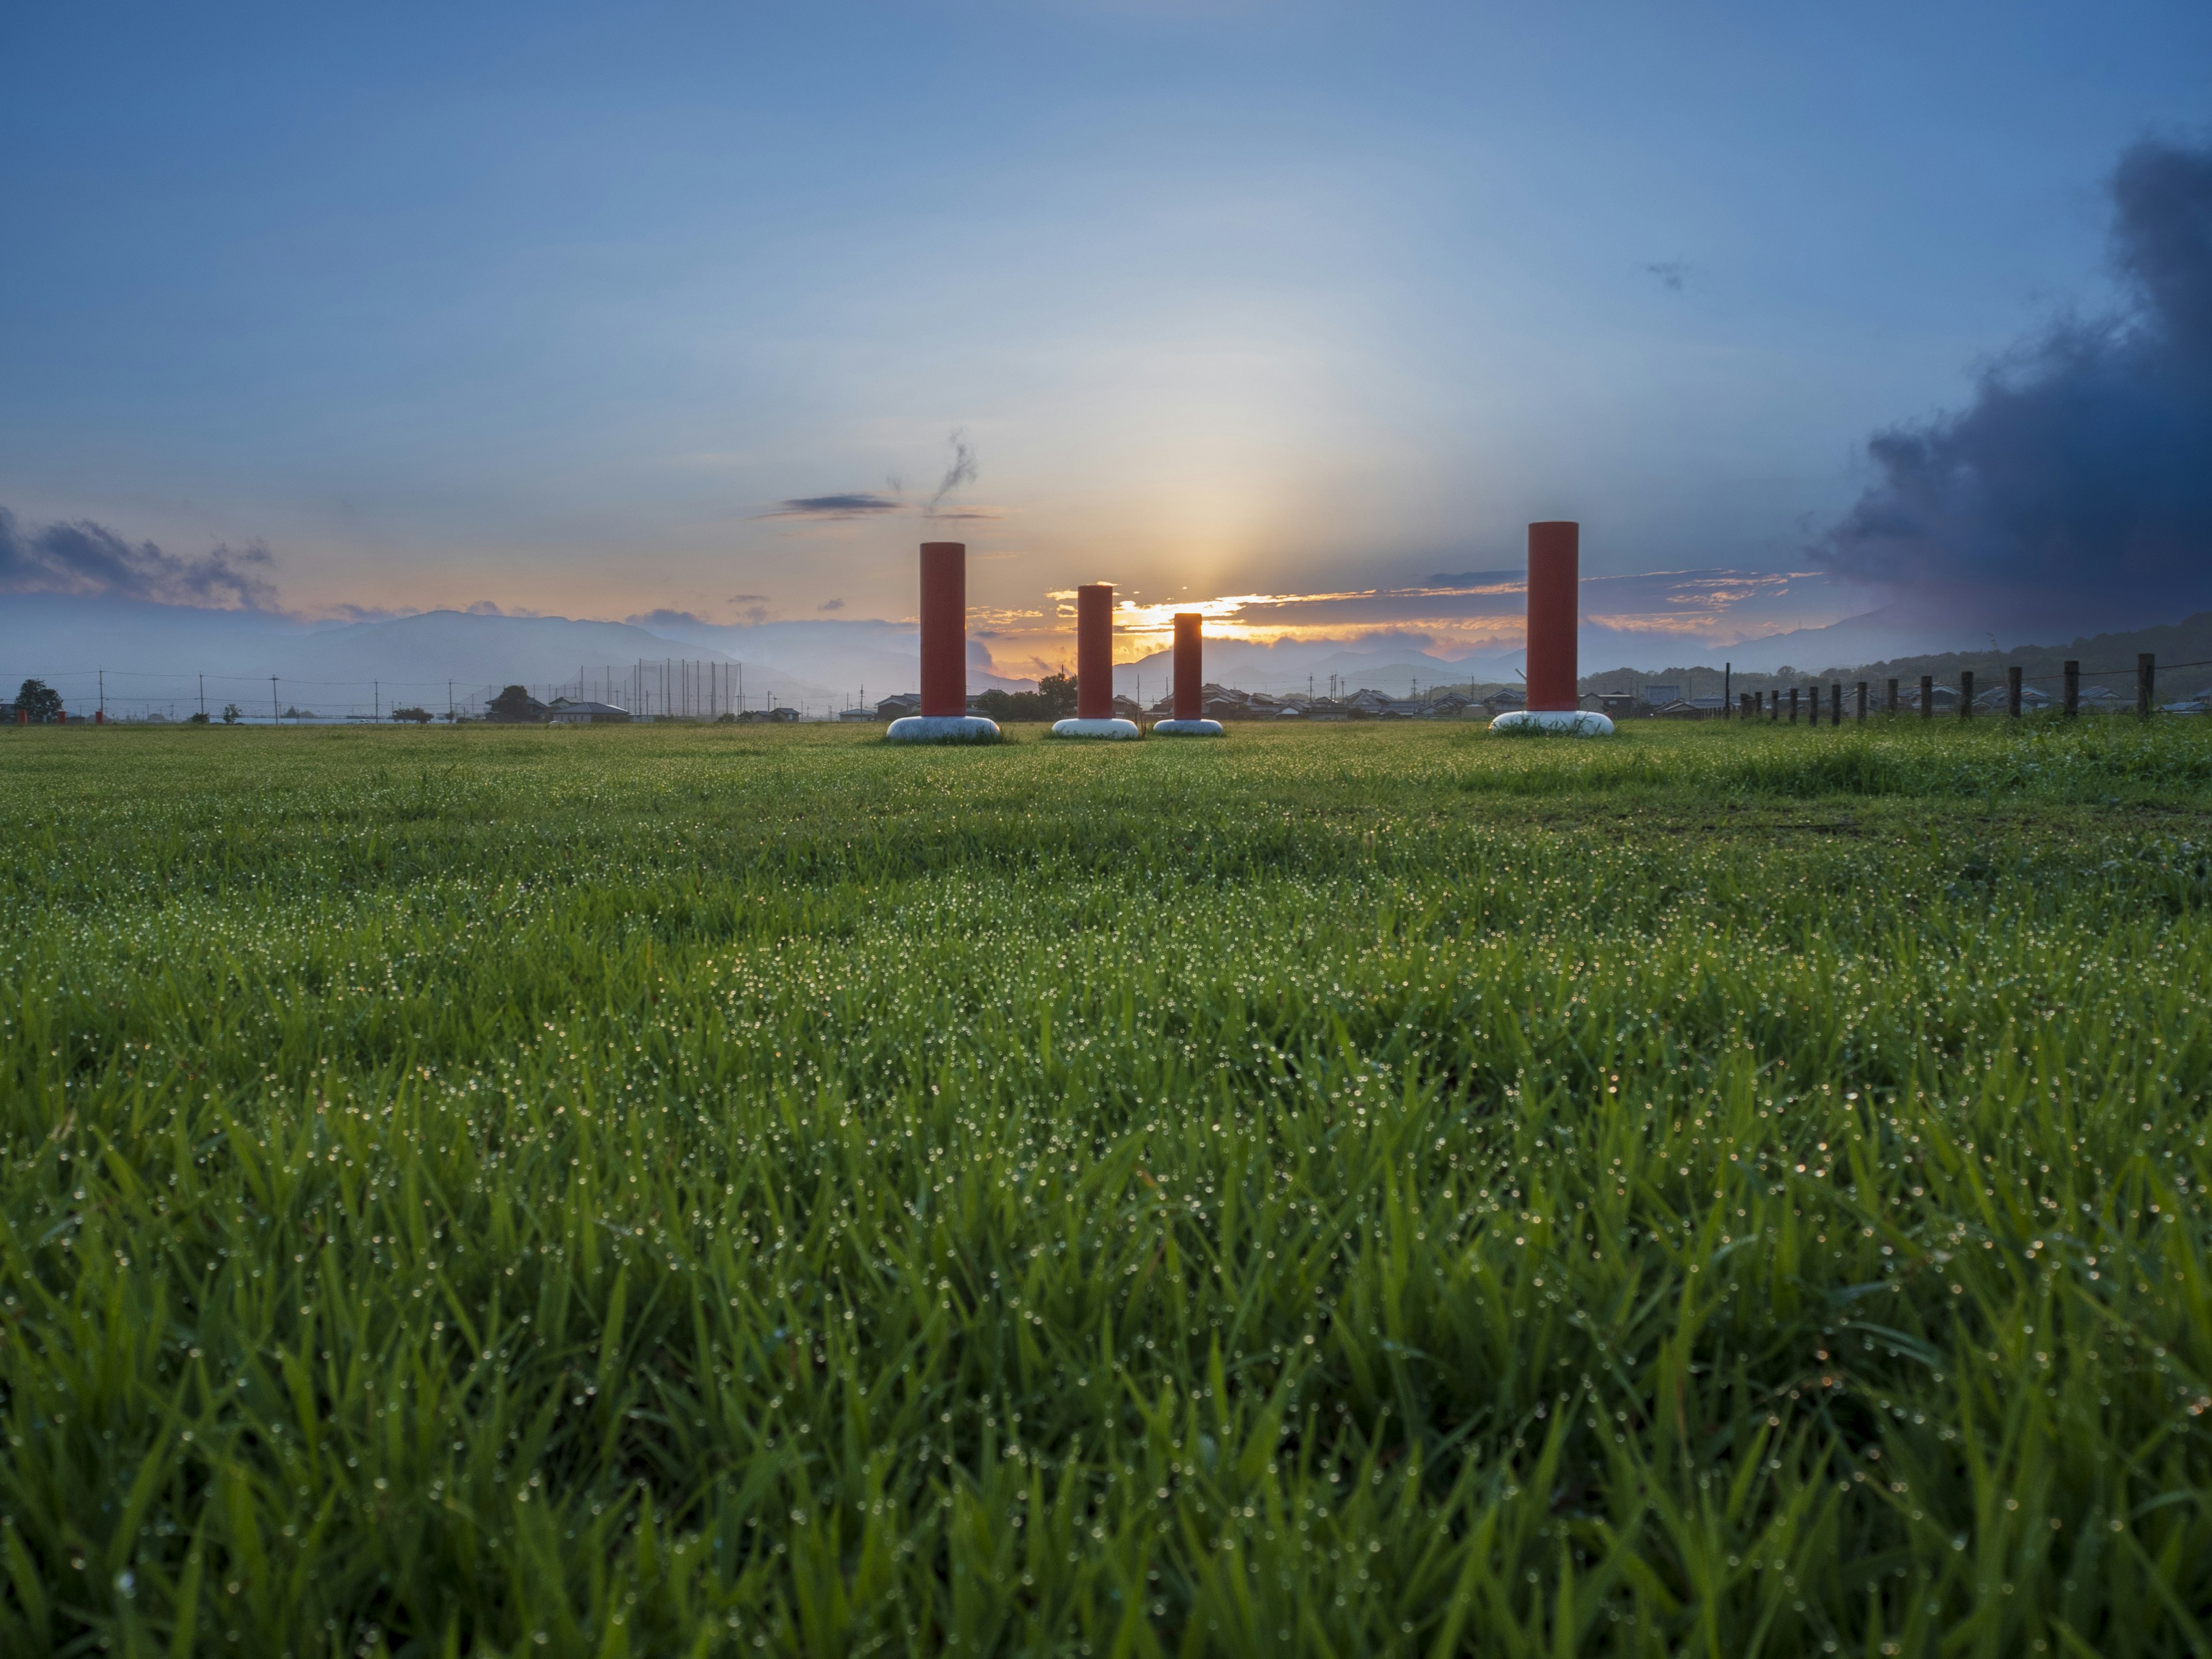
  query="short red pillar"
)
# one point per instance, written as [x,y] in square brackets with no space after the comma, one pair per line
[99,717]
[1189,665]
[1094,652]
[1554,558]
[945,627]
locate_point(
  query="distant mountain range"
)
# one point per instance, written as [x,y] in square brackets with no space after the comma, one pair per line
[154,655]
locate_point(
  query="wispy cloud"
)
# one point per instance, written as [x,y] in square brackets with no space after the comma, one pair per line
[1472,610]
[857,504]
[1673,274]
[830,604]
[78,556]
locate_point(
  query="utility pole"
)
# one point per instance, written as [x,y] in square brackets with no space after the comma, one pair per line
[375,700]
[203,696]
[275,718]
[449,703]
[103,696]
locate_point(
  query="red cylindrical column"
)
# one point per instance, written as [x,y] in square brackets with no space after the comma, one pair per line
[1554,612]
[1189,665]
[1094,652]
[945,627]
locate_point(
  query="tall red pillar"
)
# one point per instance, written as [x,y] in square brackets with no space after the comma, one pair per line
[944,628]
[1554,607]
[1094,652]
[1189,665]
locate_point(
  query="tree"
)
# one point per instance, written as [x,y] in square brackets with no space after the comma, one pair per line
[197,717]
[515,703]
[39,701]
[1057,691]
[231,712]
[420,716]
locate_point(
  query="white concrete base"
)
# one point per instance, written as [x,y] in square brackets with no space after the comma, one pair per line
[1107,728]
[1189,728]
[1581,722]
[942,728]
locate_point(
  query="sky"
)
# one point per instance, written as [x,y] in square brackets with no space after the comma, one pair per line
[1298,312]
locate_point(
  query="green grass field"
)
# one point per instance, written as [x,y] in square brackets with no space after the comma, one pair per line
[1722,1191]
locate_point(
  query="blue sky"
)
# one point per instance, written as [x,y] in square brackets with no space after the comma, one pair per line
[555,307]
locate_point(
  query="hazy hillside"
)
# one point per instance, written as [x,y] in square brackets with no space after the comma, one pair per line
[2173,644]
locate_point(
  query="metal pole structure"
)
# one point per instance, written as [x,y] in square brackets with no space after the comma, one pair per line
[1094,652]
[1792,705]
[943,629]
[203,696]
[376,700]
[944,717]
[275,717]
[1554,574]
[1965,693]
[1727,679]
[1094,668]
[1889,707]
[1863,702]
[1189,719]
[2072,695]
[1554,589]
[2145,681]
[103,696]
[1927,696]
[1836,703]
[2012,691]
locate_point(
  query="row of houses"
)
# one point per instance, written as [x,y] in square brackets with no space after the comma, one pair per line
[1224,703]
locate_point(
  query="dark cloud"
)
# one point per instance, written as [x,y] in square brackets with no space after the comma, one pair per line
[857,505]
[665,618]
[2078,484]
[830,604]
[82,557]
[1672,273]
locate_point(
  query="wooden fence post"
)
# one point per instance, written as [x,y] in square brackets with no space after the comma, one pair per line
[1863,688]
[1889,707]
[1836,703]
[2072,695]
[1927,696]
[1965,693]
[2145,679]
[2012,691]
[1792,705]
